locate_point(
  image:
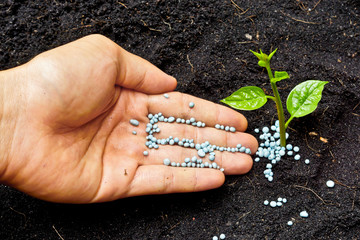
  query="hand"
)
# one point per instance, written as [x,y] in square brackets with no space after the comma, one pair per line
[71,140]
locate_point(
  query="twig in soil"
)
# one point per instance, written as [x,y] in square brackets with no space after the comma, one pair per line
[151,29]
[245,214]
[83,26]
[167,24]
[342,184]
[323,113]
[232,184]
[298,20]
[334,159]
[23,214]
[307,144]
[192,67]
[356,106]
[316,5]
[246,42]
[53,226]
[292,129]
[309,189]
[302,6]
[334,229]
[251,184]
[358,115]
[174,226]
[237,6]
[122,4]
[250,17]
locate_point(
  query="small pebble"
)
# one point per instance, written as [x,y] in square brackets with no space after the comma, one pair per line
[232,129]
[290,223]
[304,214]
[330,183]
[191,104]
[215,238]
[273,204]
[134,122]
[307,161]
[266,202]
[166,95]
[222,236]
[146,153]
[297,157]
[296,149]
[134,132]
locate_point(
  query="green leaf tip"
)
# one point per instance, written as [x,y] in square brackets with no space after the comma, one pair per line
[246,98]
[272,54]
[258,55]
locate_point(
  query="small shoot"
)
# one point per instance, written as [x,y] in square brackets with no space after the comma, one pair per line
[302,100]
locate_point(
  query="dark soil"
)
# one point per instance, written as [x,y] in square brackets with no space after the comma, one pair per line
[203,44]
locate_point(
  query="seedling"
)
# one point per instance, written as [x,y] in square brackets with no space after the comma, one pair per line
[302,100]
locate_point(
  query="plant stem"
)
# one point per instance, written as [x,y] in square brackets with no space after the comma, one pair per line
[288,121]
[270,97]
[279,108]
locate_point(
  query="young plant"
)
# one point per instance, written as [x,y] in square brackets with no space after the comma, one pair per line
[302,100]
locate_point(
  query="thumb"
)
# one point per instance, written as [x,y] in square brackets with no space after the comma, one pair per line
[138,74]
[133,72]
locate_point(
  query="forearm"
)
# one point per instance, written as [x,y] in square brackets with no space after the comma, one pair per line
[10,105]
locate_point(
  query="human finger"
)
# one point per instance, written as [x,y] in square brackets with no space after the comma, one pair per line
[133,72]
[177,105]
[233,163]
[200,135]
[158,179]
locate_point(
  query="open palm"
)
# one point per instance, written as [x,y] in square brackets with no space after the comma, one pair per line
[73,142]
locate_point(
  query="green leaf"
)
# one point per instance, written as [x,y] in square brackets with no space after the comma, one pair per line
[282,75]
[261,63]
[258,55]
[271,55]
[304,98]
[246,98]
[278,76]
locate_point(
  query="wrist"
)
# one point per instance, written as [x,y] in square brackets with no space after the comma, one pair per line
[10,105]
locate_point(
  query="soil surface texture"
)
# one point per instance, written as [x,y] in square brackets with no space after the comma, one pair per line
[205,45]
